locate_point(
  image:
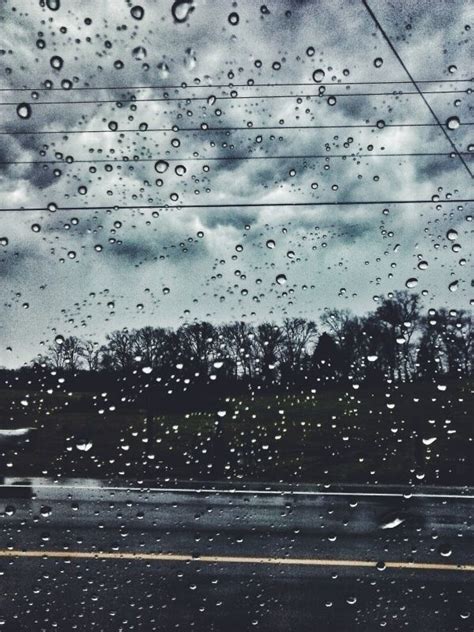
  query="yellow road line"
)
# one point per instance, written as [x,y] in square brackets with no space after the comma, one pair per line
[224,559]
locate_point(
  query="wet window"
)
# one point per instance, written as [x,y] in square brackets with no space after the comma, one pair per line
[236,315]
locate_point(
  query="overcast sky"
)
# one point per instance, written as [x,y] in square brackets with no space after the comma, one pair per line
[87,272]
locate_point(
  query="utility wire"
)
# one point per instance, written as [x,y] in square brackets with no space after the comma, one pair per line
[126,160]
[231,85]
[422,94]
[239,205]
[325,95]
[177,130]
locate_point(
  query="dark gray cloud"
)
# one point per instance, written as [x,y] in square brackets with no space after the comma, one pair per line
[206,257]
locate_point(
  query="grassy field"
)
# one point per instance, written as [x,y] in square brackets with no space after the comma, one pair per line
[345,435]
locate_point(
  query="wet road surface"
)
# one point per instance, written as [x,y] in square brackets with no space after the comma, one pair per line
[85,555]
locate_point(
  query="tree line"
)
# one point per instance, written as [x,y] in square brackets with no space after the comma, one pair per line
[397,342]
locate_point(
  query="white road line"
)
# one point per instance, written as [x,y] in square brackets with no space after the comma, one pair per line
[246,492]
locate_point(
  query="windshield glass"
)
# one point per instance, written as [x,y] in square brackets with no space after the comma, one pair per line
[235,258]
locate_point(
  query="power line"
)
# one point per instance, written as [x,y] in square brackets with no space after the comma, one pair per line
[395,52]
[126,160]
[237,97]
[239,205]
[231,85]
[176,129]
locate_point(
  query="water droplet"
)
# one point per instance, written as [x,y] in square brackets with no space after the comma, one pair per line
[372,358]
[181,10]
[445,550]
[56,62]
[84,445]
[453,287]
[393,523]
[10,510]
[233,18]
[411,282]
[270,243]
[137,12]
[281,279]
[378,62]
[318,75]
[45,511]
[53,5]
[453,122]
[59,340]
[423,265]
[3,241]
[139,53]
[190,59]
[163,69]
[452,234]
[180,170]
[23,110]
[161,166]
[429,440]
[35,228]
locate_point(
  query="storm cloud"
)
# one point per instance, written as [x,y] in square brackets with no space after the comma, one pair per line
[220,106]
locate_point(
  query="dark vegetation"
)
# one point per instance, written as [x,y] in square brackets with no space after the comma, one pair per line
[385,397]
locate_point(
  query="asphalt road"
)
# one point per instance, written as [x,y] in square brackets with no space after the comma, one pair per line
[82,555]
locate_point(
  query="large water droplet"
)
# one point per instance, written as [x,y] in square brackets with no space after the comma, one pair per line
[412,282]
[445,550]
[161,166]
[53,5]
[318,75]
[453,287]
[139,53]
[281,279]
[452,234]
[163,69]
[181,10]
[24,110]
[137,12]
[84,445]
[190,59]
[56,62]
[453,122]
[392,523]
